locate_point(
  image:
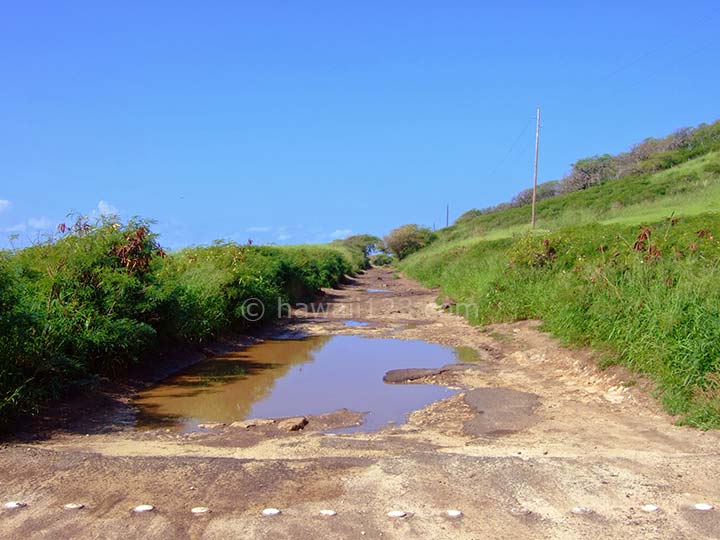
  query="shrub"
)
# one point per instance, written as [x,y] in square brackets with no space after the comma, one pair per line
[408,239]
[589,172]
[365,244]
[381,259]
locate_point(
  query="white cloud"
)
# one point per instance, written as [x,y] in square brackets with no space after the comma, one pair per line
[106,209]
[258,229]
[39,223]
[17,228]
[32,224]
[282,237]
[4,205]
[340,233]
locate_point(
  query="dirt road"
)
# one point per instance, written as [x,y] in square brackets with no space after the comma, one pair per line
[536,432]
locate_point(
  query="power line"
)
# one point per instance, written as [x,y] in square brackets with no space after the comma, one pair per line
[660,47]
[663,67]
[512,147]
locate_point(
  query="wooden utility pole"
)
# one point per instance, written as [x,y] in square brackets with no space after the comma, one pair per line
[447,215]
[537,149]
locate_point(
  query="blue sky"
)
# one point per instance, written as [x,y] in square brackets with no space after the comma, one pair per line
[302,121]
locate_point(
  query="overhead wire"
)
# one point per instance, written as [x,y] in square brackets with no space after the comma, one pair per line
[512,147]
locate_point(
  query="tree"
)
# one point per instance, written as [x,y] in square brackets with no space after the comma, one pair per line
[544,191]
[367,243]
[408,239]
[589,172]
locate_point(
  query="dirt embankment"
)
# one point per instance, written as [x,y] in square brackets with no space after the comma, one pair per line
[536,432]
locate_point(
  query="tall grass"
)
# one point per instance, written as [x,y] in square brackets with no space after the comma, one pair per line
[105,296]
[648,297]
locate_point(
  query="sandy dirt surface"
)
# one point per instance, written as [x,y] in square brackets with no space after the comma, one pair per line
[536,432]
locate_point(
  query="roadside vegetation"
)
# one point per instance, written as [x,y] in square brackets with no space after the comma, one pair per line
[381,259]
[104,296]
[407,239]
[358,249]
[627,265]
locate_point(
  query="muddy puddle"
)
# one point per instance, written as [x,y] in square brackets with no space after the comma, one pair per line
[309,376]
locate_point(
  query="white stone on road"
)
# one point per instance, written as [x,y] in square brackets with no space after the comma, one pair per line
[200,510]
[396,514]
[580,510]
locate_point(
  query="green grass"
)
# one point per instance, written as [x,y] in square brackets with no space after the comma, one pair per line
[652,305]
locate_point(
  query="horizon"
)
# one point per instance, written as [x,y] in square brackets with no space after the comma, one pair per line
[298,126]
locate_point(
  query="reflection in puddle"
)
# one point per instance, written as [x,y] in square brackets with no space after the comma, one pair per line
[378,290]
[467,354]
[356,323]
[297,377]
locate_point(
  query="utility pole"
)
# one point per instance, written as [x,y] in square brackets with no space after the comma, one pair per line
[537,148]
[447,215]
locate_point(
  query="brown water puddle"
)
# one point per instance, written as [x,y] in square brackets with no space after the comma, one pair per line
[297,377]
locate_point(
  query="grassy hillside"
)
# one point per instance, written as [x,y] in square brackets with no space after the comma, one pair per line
[691,188]
[105,296]
[629,266]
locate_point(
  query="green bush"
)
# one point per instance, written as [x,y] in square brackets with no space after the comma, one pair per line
[381,259]
[408,239]
[364,244]
[17,357]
